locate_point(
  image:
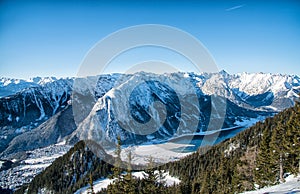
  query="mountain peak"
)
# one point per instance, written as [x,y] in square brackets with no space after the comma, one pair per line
[223,72]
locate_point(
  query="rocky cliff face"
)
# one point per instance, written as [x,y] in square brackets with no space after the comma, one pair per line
[49,132]
[35,104]
[26,110]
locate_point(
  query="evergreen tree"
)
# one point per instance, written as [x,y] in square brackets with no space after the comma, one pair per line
[293,137]
[129,184]
[117,166]
[115,187]
[91,184]
[161,178]
[150,178]
[277,148]
[264,172]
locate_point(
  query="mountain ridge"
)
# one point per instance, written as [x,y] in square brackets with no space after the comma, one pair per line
[54,95]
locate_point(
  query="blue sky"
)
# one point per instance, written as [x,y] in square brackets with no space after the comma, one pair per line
[51,38]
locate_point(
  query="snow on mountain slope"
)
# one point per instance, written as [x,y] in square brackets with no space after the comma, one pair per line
[29,108]
[10,86]
[147,106]
[93,98]
[50,132]
[257,83]
[259,89]
[35,108]
[262,91]
[35,103]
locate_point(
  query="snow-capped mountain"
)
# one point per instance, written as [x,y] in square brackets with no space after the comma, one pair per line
[35,103]
[183,104]
[10,86]
[26,110]
[252,90]
[275,91]
[109,105]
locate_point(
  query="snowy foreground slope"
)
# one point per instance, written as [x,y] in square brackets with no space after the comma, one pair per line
[291,186]
[103,183]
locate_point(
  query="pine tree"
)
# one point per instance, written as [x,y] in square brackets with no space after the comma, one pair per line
[264,172]
[161,178]
[236,181]
[293,137]
[150,178]
[277,146]
[91,184]
[115,187]
[128,183]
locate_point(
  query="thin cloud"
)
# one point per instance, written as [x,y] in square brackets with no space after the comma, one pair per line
[235,7]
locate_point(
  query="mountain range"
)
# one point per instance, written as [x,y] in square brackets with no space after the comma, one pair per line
[44,111]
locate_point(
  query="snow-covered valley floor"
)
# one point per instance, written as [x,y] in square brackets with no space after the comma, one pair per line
[160,153]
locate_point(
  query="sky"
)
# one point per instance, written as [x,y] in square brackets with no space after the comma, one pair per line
[52,38]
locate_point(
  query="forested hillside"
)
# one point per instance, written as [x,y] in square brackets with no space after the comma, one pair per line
[261,154]
[71,171]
